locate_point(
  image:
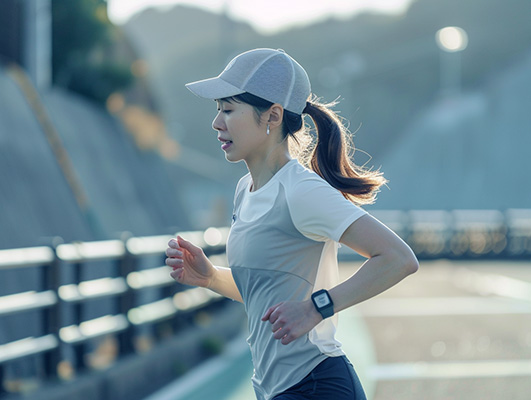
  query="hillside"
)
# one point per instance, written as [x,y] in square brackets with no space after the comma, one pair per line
[385,69]
[467,152]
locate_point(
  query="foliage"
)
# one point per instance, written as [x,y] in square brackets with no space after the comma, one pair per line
[83,40]
[212,345]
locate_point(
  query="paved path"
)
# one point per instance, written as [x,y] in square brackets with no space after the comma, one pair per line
[453,331]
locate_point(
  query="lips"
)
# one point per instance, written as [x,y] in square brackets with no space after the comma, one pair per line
[226,143]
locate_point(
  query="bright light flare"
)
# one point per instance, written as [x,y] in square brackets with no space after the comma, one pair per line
[452,39]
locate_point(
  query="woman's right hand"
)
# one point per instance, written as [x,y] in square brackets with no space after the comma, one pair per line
[190,264]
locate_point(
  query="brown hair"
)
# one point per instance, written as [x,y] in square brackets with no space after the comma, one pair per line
[330,153]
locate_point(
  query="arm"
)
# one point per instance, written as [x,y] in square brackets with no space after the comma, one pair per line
[223,283]
[192,267]
[389,261]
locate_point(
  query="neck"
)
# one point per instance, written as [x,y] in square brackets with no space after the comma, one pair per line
[263,169]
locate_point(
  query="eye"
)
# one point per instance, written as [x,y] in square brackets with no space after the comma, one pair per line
[226,111]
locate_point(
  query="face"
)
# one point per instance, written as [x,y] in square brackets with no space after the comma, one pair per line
[241,136]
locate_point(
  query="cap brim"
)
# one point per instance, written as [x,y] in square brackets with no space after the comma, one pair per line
[213,88]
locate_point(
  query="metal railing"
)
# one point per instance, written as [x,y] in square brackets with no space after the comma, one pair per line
[463,234]
[64,291]
[432,234]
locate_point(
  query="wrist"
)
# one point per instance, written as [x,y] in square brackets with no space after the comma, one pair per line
[213,278]
[313,313]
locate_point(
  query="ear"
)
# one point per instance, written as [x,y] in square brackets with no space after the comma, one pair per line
[276,114]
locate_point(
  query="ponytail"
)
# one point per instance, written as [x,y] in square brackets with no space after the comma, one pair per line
[331,157]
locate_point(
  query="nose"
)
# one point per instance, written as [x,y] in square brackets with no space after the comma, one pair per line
[218,124]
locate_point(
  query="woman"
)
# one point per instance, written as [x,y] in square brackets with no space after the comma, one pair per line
[287,224]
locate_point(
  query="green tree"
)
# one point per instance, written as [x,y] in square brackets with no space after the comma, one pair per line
[83,43]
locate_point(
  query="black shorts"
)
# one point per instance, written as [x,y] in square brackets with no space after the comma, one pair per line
[332,379]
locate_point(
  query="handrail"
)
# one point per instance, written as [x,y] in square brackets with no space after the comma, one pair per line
[96,288]
[91,251]
[25,258]
[93,328]
[431,234]
[27,347]
[26,301]
[463,233]
[128,284]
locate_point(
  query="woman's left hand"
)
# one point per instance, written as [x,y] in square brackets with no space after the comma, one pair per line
[292,319]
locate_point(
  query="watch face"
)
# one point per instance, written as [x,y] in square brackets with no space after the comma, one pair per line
[322,300]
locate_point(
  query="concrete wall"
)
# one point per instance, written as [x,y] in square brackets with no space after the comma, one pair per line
[124,189]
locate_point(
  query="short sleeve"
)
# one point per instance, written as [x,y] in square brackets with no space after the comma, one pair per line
[319,211]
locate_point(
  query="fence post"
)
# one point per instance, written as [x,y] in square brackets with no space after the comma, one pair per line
[79,349]
[126,300]
[52,320]
[2,389]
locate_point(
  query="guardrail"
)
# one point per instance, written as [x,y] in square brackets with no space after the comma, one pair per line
[473,234]
[63,296]
[63,291]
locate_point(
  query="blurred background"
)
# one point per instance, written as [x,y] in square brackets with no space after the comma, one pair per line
[101,142]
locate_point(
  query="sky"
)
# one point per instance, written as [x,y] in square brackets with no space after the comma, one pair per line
[266,16]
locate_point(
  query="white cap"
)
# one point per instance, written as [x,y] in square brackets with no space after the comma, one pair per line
[269,74]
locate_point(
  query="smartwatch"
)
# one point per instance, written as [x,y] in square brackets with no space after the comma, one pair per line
[323,303]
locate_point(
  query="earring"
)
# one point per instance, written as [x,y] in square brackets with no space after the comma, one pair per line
[267,131]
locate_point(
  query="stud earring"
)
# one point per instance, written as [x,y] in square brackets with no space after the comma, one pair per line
[267,131]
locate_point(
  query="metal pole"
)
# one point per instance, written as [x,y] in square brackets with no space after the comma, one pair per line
[52,322]
[37,49]
[126,300]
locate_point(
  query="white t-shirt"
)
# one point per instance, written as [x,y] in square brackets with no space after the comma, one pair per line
[283,246]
